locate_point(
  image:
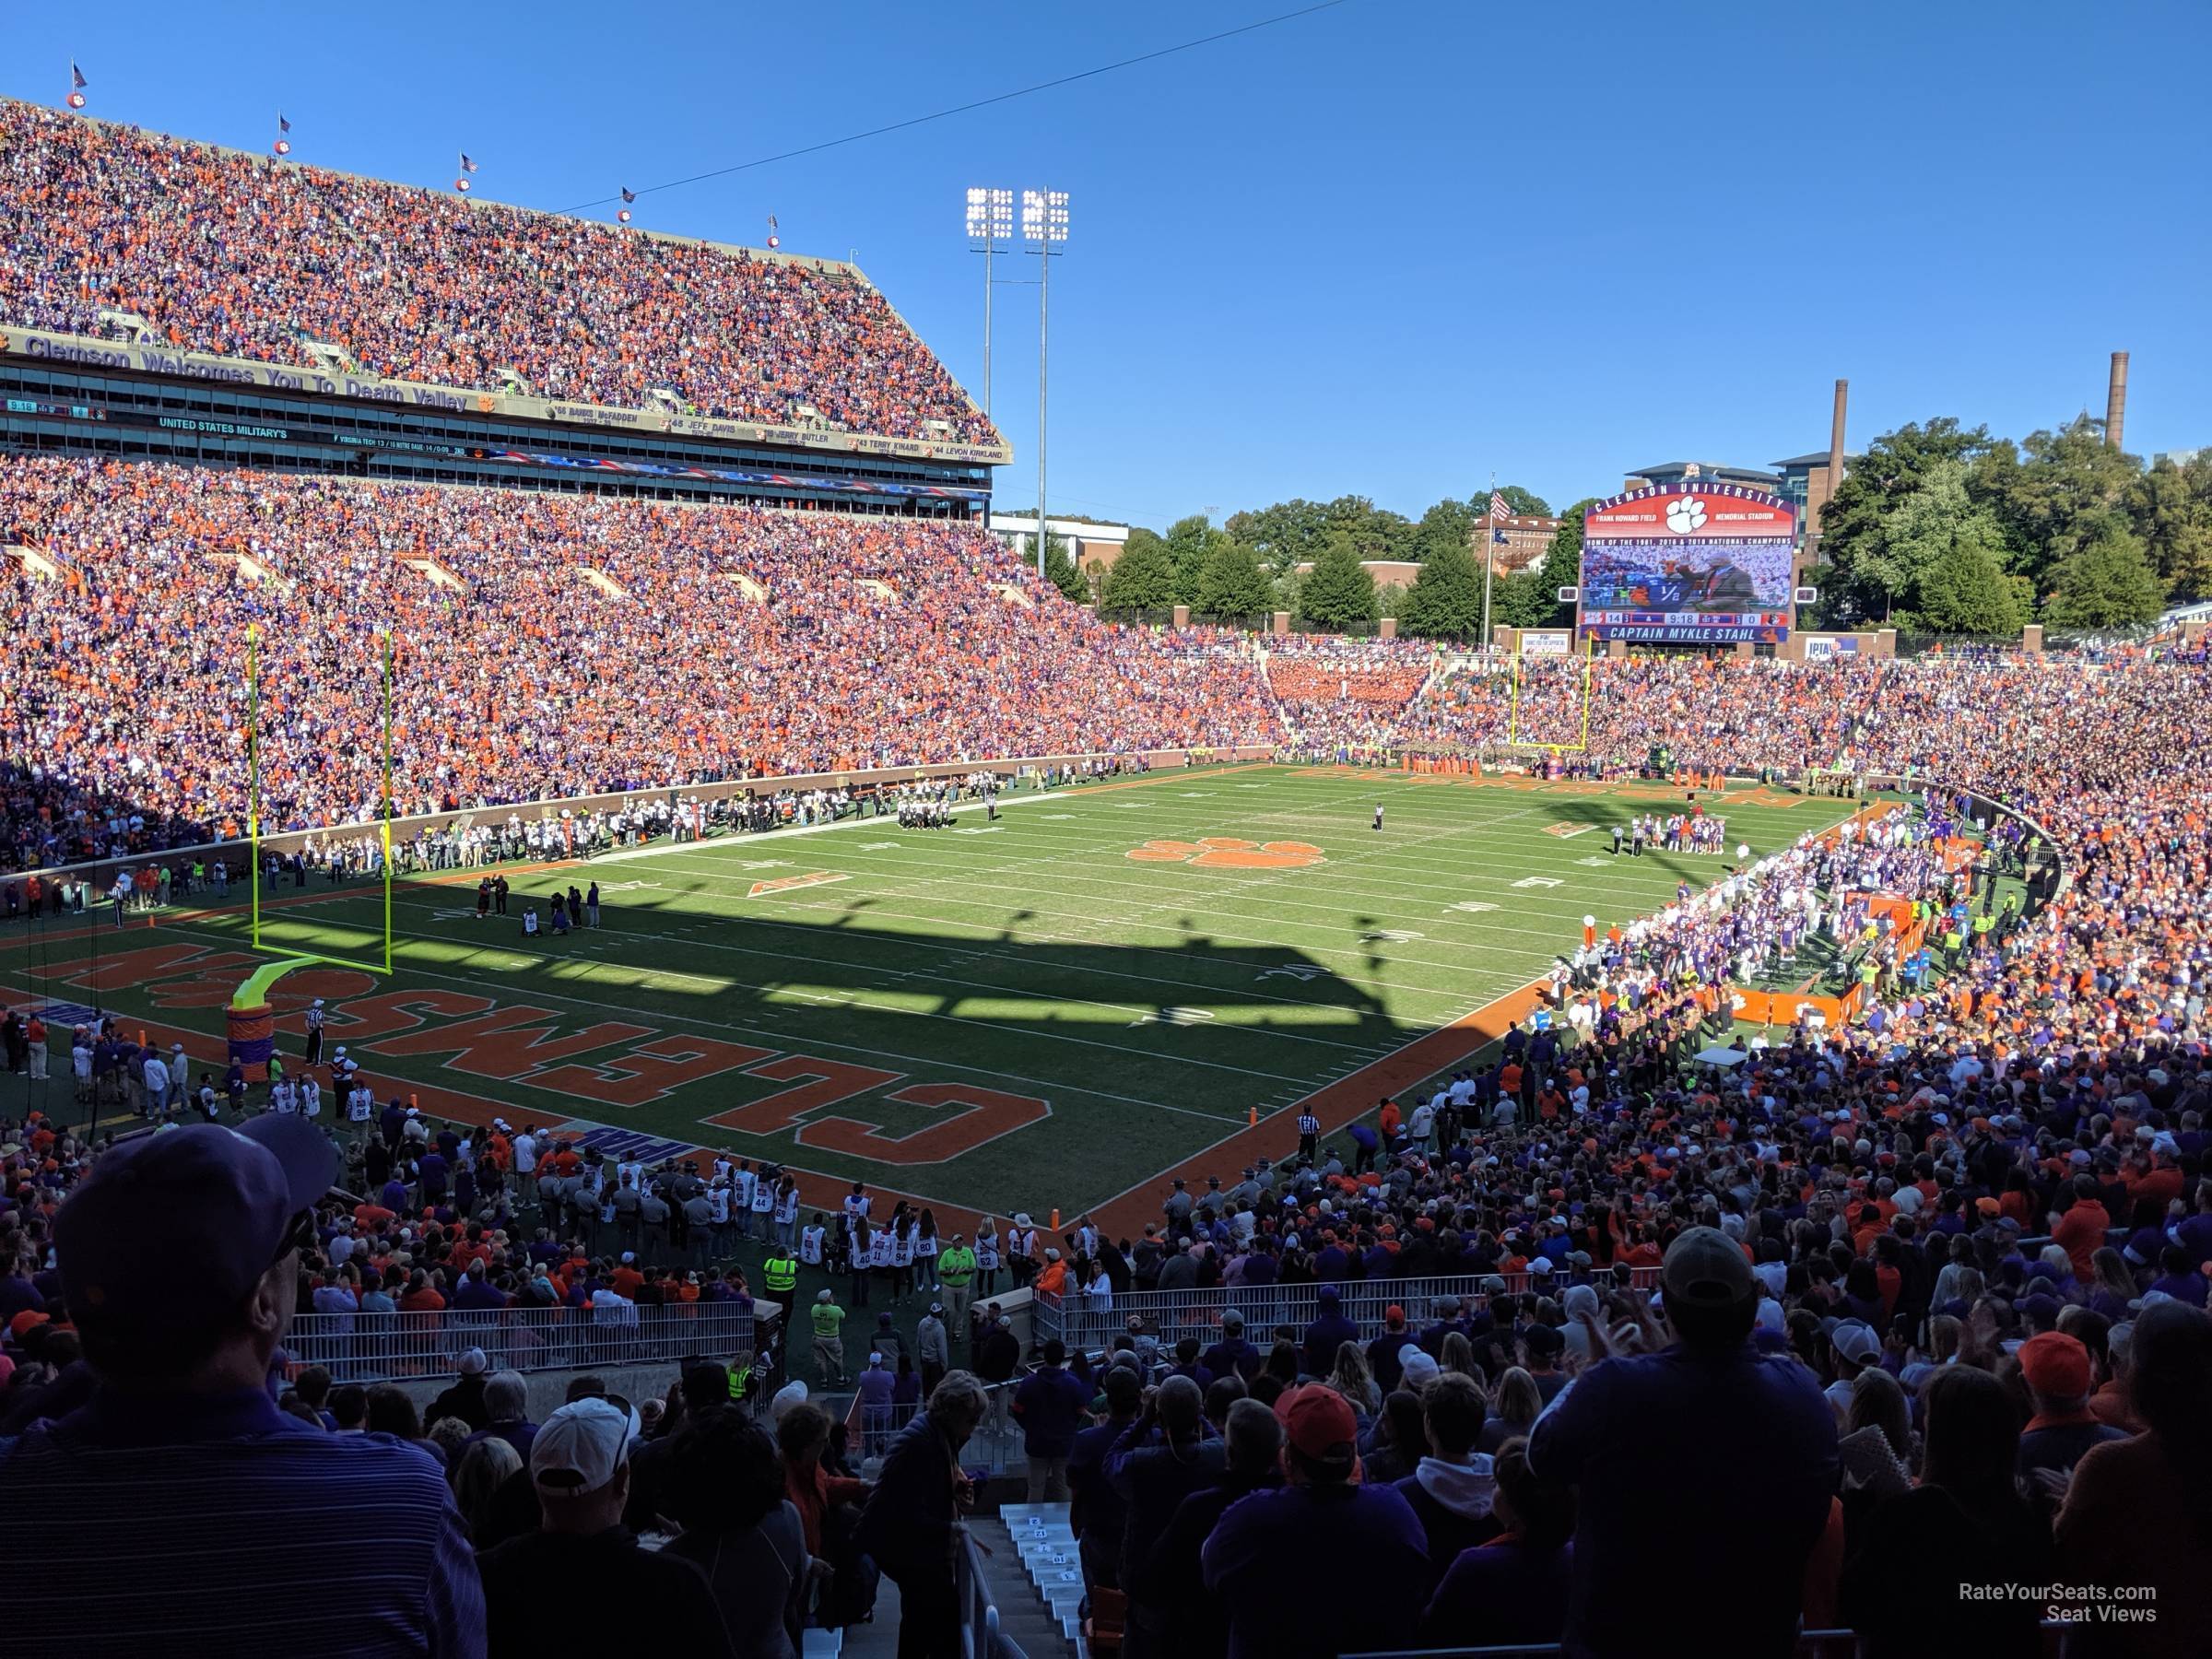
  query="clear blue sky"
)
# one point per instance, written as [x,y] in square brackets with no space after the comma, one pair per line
[1381,250]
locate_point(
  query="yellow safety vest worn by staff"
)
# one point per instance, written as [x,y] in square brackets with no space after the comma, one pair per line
[780,1272]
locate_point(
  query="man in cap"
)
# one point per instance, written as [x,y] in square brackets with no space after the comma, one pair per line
[1259,1558]
[1709,1431]
[580,1466]
[955,1273]
[828,1320]
[2056,1369]
[183,1426]
[464,1399]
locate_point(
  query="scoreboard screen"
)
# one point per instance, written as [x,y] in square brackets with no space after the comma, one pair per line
[1689,564]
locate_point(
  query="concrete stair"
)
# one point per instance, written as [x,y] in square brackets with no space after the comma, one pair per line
[1035,1578]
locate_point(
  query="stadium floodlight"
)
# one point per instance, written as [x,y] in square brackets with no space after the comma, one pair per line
[990,223]
[1044,215]
[1043,227]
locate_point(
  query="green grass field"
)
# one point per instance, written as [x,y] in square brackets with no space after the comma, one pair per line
[998,1016]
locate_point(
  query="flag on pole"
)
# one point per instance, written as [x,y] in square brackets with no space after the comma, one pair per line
[283,146]
[629,195]
[78,84]
[773,239]
[466,165]
[1499,507]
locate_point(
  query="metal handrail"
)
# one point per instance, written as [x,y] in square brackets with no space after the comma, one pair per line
[424,1345]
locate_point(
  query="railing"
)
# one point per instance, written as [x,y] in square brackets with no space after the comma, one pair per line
[979,1614]
[378,1347]
[1174,1315]
[870,1430]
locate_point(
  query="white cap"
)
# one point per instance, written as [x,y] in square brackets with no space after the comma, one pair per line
[785,1399]
[580,1447]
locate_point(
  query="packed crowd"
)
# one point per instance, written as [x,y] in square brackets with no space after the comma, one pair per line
[1929,1310]
[1342,694]
[241,257]
[548,645]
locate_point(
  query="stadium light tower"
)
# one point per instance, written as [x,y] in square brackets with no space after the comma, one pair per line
[990,222]
[1044,227]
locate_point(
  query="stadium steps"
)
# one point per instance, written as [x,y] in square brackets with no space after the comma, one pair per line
[1034,1578]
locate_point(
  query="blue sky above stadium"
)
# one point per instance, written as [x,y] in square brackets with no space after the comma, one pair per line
[1383,249]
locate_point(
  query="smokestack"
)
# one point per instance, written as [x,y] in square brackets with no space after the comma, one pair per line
[2115,400]
[1835,438]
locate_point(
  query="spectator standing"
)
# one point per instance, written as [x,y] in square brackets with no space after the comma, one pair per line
[2056,1369]
[1050,1404]
[1515,1587]
[1157,1461]
[1194,1626]
[2139,1511]
[1451,1489]
[912,1523]
[1096,1513]
[726,1492]
[1966,1523]
[1753,1428]
[1258,1559]
[181,1427]
[580,1466]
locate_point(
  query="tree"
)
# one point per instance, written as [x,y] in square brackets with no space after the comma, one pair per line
[1284,534]
[1189,541]
[1143,578]
[1526,504]
[1338,591]
[1523,601]
[1963,591]
[2068,489]
[1232,583]
[1445,601]
[2171,509]
[1060,571]
[2108,584]
[1562,565]
[1859,577]
[1449,524]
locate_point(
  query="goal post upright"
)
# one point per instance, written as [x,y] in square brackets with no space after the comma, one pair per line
[1513,721]
[252,1020]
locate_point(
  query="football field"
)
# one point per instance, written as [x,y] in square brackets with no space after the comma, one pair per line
[1047,1012]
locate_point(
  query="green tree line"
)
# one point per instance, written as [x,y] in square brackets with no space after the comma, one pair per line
[1943,528]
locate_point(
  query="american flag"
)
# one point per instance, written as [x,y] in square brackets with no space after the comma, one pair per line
[76,78]
[466,165]
[629,195]
[1499,508]
[282,124]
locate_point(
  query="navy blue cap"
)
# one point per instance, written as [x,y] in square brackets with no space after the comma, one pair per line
[174,1229]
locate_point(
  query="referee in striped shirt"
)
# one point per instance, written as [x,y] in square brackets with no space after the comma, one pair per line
[178,1512]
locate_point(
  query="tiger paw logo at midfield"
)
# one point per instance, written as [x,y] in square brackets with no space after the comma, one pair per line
[1685,515]
[1226,853]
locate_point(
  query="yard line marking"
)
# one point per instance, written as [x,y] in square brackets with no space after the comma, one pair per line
[600,1005]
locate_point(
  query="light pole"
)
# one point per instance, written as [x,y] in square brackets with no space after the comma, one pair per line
[1043,224]
[990,222]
